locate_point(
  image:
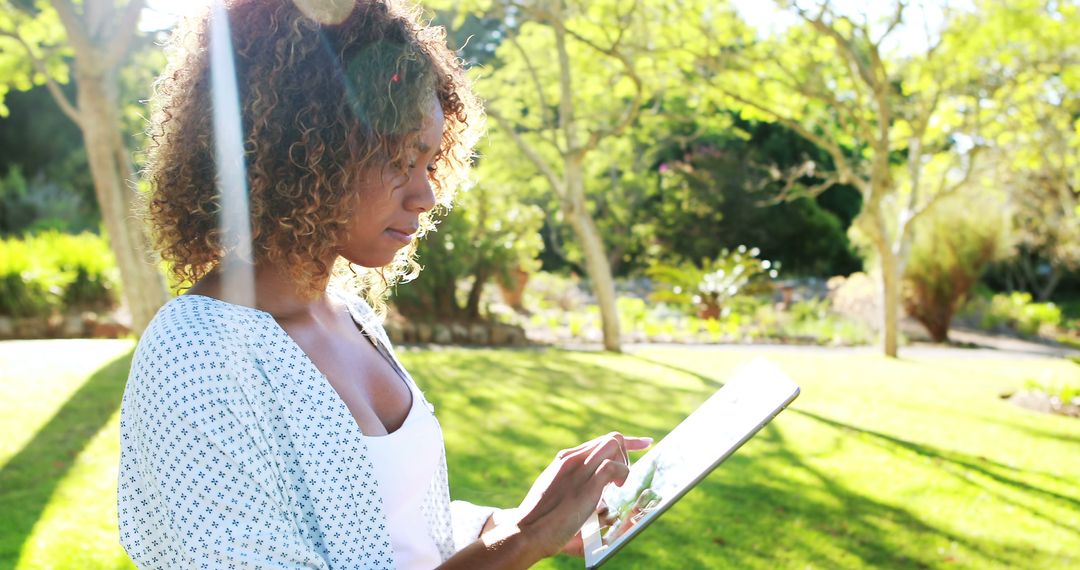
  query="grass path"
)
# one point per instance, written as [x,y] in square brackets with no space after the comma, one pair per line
[913,463]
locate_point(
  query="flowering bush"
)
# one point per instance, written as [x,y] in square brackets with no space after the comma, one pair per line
[706,290]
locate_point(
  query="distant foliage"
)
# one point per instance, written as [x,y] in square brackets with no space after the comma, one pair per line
[32,205]
[488,237]
[1015,312]
[718,190]
[706,289]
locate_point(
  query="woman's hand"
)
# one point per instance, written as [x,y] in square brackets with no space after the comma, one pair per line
[569,490]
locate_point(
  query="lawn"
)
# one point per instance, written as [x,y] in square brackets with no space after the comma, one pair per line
[915,463]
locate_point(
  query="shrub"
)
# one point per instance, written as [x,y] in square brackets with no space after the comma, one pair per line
[632,312]
[1017,311]
[24,291]
[857,298]
[950,253]
[55,271]
[85,266]
[1014,312]
[707,289]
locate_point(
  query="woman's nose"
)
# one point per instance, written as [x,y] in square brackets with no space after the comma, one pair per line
[420,196]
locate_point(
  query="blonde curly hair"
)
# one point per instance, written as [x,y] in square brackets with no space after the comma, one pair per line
[321,103]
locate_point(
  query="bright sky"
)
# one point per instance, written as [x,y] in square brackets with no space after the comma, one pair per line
[762,14]
[920,17]
[162,14]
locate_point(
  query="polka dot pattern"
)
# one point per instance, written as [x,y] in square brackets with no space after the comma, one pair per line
[236,452]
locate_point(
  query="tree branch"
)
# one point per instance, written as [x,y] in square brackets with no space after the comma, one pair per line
[845,175]
[123,34]
[544,108]
[791,177]
[874,75]
[567,122]
[632,110]
[896,20]
[843,45]
[530,152]
[866,130]
[918,134]
[73,26]
[944,190]
[62,101]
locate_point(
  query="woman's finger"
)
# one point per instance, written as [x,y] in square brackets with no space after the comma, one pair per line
[637,443]
[609,447]
[587,445]
[611,471]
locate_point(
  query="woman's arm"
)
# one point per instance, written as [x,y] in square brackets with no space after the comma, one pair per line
[501,547]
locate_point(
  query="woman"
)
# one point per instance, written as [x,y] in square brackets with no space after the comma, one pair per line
[284,433]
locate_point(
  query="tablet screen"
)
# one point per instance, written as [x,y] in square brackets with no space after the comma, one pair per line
[730,417]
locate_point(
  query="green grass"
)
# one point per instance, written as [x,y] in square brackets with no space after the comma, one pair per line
[915,463]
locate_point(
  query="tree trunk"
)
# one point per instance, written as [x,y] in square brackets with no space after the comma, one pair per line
[110,167]
[596,261]
[873,222]
[472,306]
[1051,284]
[890,300]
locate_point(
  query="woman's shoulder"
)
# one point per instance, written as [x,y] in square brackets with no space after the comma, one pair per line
[197,316]
[192,333]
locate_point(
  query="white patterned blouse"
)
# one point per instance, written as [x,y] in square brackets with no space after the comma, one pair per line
[237,453]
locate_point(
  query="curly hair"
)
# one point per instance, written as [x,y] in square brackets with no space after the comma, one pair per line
[321,102]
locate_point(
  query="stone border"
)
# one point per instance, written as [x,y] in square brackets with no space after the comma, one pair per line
[70,325]
[477,334]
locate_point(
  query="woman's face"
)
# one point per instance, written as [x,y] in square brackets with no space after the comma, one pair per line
[387,213]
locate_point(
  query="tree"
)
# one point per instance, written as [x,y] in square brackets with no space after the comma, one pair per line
[901,126]
[97,37]
[1036,136]
[568,79]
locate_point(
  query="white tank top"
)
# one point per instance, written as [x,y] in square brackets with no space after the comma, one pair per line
[404,463]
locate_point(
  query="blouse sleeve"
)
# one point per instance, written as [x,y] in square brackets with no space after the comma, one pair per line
[468,520]
[197,485]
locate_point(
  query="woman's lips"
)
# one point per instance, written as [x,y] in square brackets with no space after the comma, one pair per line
[399,235]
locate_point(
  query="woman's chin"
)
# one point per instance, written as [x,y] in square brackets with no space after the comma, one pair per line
[371,260]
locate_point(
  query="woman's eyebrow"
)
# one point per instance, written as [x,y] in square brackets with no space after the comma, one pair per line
[424,148]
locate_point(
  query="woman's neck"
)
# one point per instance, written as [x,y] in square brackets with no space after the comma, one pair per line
[274,290]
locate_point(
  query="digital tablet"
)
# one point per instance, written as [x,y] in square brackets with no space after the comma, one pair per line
[729,418]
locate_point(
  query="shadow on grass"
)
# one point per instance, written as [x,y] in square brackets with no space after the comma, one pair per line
[28,480]
[981,465]
[760,500]
[515,410]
